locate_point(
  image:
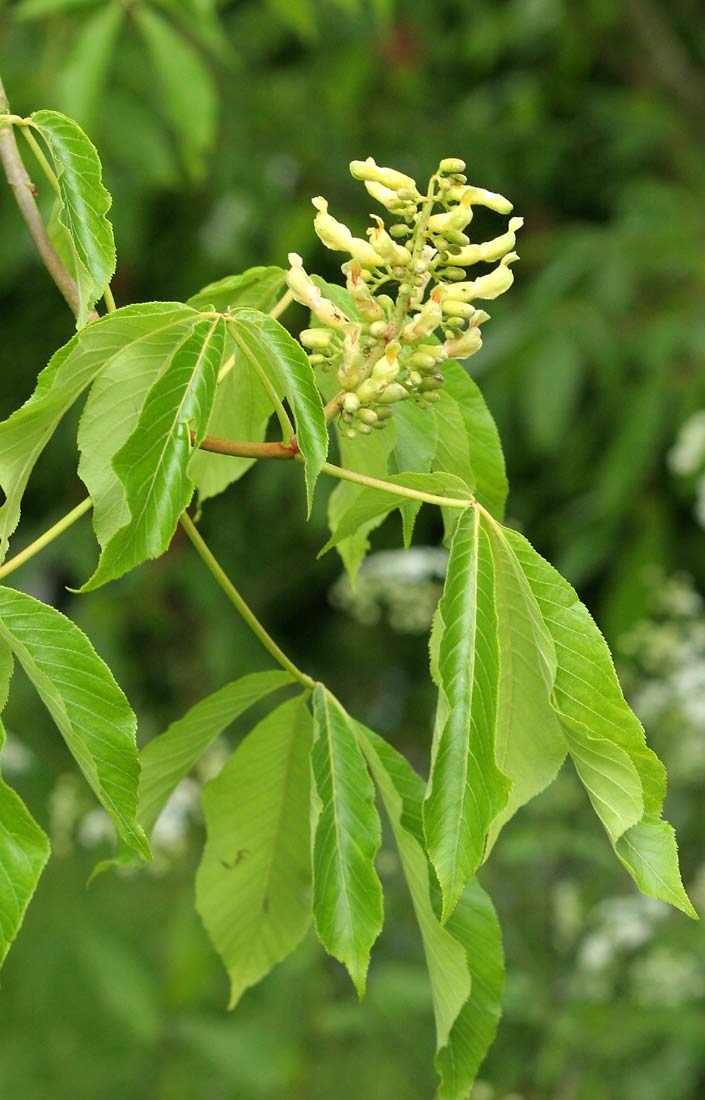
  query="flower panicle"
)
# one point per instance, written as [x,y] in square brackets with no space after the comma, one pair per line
[411,300]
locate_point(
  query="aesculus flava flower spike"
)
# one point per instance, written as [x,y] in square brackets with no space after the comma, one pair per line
[413,301]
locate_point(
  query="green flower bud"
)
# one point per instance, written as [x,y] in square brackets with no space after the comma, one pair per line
[433,383]
[490,250]
[388,177]
[320,338]
[421,361]
[367,391]
[451,165]
[400,230]
[450,274]
[393,393]
[378,329]
[317,360]
[368,416]
[351,403]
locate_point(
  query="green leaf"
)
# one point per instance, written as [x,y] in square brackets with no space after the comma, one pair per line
[530,746]
[24,851]
[85,203]
[152,463]
[366,455]
[189,93]
[466,788]
[257,288]
[38,9]
[487,471]
[474,924]
[623,777]
[253,888]
[401,791]
[265,342]
[81,78]
[413,453]
[169,757]
[371,503]
[650,854]
[464,957]
[347,894]
[146,338]
[242,406]
[115,339]
[86,704]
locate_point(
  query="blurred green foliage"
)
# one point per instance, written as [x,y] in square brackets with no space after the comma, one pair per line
[590,118]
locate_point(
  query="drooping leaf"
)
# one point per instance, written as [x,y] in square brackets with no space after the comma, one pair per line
[372,503]
[24,851]
[91,712]
[401,791]
[466,789]
[152,463]
[169,757]
[270,349]
[85,204]
[257,288]
[347,894]
[474,924]
[115,401]
[650,854]
[118,339]
[253,888]
[623,777]
[188,91]
[530,746]
[81,79]
[464,957]
[484,447]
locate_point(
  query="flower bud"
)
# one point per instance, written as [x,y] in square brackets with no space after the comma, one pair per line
[367,306]
[393,393]
[450,166]
[368,416]
[300,283]
[489,250]
[388,177]
[421,361]
[320,338]
[435,382]
[351,403]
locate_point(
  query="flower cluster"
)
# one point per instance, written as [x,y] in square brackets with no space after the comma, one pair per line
[412,304]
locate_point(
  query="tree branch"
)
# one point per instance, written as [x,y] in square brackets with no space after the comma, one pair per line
[24,191]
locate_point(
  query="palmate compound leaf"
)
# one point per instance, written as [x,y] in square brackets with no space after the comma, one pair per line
[90,710]
[122,340]
[624,779]
[242,407]
[84,205]
[466,789]
[152,462]
[464,957]
[169,757]
[347,894]
[253,888]
[371,504]
[24,847]
[271,350]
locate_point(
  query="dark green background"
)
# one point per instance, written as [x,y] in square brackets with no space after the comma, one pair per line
[590,117]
